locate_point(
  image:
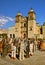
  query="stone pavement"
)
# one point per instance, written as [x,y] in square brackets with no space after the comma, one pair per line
[9,61]
[37,59]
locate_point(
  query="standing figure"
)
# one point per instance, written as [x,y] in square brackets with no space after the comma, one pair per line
[35,43]
[1,45]
[4,46]
[27,49]
[31,48]
[13,48]
[22,50]
[10,46]
[19,43]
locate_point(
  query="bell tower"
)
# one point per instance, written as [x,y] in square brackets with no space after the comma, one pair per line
[18,17]
[18,20]
[31,15]
[31,23]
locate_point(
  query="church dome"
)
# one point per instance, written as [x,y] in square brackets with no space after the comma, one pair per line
[31,11]
[19,13]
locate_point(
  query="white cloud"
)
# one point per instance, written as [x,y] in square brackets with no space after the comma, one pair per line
[10,18]
[5,19]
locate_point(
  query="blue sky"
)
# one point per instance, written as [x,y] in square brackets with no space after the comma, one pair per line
[10,8]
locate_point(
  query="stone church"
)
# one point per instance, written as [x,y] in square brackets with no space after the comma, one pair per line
[28,27]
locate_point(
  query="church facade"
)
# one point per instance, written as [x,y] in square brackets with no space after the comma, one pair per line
[27,26]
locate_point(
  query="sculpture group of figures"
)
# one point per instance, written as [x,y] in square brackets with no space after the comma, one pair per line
[17,48]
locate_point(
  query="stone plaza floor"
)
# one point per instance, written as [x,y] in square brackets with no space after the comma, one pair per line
[38,58]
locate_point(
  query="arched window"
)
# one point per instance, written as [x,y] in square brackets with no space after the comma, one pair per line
[31,28]
[10,35]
